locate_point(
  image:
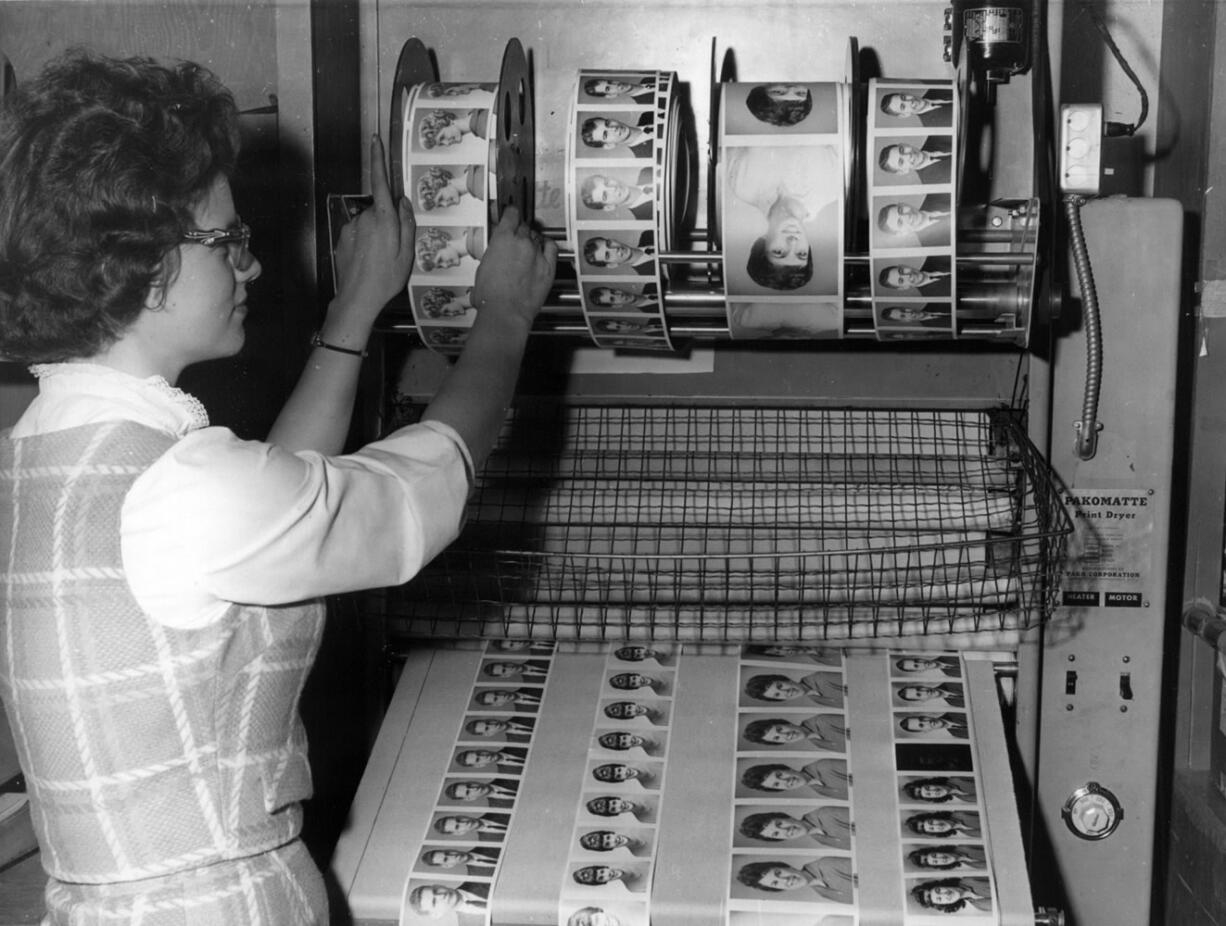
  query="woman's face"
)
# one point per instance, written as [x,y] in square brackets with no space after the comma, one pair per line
[782,780]
[943,895]
[446,196]
[205,303]
[934,826]
[781,733]
[782,878]
[787,243]
[782,690]
[449,255]
[781,92]
[782,828]
[449,135]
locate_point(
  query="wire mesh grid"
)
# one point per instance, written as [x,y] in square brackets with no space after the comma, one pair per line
[730,524]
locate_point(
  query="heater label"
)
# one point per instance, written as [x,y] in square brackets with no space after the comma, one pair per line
[1110,550]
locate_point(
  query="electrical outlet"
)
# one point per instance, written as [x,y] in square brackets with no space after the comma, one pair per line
[1081,148]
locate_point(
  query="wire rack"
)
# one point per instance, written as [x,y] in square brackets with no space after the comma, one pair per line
[732,524]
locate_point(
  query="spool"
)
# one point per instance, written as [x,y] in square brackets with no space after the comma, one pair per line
[783,182]
[465,152]
[628,182]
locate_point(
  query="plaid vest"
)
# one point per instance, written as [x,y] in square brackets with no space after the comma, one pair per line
[147,750]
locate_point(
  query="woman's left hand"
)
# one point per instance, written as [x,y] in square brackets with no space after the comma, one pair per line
[374,255]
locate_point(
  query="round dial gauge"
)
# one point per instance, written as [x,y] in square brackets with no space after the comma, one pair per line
[1093,812]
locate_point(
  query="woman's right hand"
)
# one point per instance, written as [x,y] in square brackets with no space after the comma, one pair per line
[517,270]
[375,252]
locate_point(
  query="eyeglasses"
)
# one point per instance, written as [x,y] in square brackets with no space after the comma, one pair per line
[235,238]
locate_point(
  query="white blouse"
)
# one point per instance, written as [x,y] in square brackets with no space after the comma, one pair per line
[218,519]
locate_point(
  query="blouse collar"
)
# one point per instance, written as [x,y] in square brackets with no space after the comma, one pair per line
[152,400]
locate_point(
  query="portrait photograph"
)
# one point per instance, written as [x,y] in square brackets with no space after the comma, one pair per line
[915,315]
[524,699]
[457,860]
[785,319]
[793,652]
[573,911]
[958,896]
[599,808]
[490,759]
[469,826]
[925,665]
[629,744]
[449,251]
[782,220]
[444,303]
[931,726]
[618,252]
[804,878]
[918,694]
[777,730]
[912,160]
[460,93]
[627,297]
[792,779]
[496,728]
[627,777]
[626,326]
[455,133]
[428,901]
[606,879]
[478,791]
[651,680]
[778,686]
[610,842]
[908,106]
[453,191]
[912,220]
[780,108]
[937,789]
[636,712]
[913,277]
[443,336]
[604,134]
[615,193]
[933,858]
[618,87]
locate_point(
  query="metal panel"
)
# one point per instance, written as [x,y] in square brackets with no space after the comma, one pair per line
[1092,731]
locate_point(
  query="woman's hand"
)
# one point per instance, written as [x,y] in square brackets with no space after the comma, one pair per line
[375,252]
[516,271]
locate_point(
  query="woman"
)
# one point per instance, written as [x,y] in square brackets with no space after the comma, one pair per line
[945,824]
[943,858]
[440,188]
[438,302]
[151,663]
[446,248]
[780,104]
[789,187]
[446,128]
[950,895]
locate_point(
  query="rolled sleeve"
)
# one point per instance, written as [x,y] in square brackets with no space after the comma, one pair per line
[220,520]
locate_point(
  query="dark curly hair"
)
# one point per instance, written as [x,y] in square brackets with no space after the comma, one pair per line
[104,161]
